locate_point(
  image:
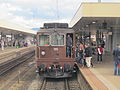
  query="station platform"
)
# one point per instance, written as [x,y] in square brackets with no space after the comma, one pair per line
[6,49]
[11,52]
[102,77]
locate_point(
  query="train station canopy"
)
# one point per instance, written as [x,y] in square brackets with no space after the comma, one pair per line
[93,15]
[10,28]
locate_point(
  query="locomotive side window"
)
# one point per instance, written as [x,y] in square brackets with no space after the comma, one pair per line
[57,39]
[43,40]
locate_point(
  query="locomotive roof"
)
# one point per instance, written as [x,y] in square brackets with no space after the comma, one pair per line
[55,25]
[63,30]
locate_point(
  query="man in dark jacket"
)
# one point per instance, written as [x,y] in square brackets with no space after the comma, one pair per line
[69,45]
[116,54]
[88,55]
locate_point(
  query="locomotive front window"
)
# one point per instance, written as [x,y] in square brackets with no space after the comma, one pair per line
[57,39]
[43,40]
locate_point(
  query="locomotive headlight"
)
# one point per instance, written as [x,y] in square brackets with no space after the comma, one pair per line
[49,67]
[43,53]
[61,67]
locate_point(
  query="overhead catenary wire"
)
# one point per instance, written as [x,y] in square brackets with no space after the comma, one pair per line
[57,3]
[99,1]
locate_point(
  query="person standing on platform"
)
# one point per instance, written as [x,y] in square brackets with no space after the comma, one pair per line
[88,55]
[16,43]
[103,46]
[2,44]
[116,55]
[99,53]
[81,50]
[69,46]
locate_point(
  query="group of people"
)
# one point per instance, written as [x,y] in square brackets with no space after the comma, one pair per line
[19,44]
[14,43]
[84,54]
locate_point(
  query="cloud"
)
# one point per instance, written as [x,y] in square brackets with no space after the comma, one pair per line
[8,7]
[33,13]
[13,8]
[50,13]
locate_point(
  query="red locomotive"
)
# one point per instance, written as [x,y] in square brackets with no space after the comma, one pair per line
[51,51]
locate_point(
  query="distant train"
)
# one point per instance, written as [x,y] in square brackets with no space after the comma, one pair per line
[51,50]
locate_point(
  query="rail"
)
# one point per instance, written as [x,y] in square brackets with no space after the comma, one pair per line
[15,53]
[43,84]
[67,87]
[6,66]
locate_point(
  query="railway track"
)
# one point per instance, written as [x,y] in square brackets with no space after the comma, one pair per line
[6,66]
[60,84]
[72,84]
[15,80]
[52,84]
[29,80]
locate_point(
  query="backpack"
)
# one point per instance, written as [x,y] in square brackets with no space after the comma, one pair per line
[87,52]
[118,63]
[118,54]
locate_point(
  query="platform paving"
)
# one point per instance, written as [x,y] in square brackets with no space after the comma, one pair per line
[11,52]
[6,49]
[105,72]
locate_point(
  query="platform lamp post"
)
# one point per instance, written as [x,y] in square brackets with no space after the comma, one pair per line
[83,35]
[89,32]
[97,37]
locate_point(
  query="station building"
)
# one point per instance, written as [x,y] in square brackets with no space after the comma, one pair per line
[100,20]
[10,32]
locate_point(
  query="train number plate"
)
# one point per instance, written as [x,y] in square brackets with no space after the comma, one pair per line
[55,49]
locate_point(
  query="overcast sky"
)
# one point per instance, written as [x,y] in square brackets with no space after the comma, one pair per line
[33,13]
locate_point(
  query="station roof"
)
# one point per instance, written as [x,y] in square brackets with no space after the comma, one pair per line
[10,28]
[94,14]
